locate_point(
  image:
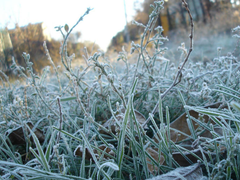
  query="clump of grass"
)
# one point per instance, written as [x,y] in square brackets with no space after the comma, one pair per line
[73,107]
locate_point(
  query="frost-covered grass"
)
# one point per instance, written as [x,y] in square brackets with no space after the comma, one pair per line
[90,120]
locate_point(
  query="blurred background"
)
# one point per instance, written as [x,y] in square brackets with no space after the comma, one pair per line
[26,24]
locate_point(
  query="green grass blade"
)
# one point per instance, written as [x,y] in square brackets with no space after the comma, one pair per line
[68,99]
[34,171]
[160,107]
[8,151]
[209,112]
[161,134]
[189,121]
[121,142]
[10,171]
[50,146]
[226,93]
[228,89]
[141,150]
[41,156]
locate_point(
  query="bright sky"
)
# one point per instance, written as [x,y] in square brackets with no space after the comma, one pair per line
[103,22]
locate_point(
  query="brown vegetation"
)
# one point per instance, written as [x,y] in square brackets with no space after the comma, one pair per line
[209,17]
[30,39]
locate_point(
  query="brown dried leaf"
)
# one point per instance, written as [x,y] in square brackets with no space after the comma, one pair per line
[176,156]
[79,152]
[180,159]
[188,173]
[140,117]
[181,124]
[108,150]
[111,124]
[17,136]
[183,162]
[155,156]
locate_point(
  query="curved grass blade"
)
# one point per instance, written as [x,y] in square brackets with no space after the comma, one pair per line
[111,165]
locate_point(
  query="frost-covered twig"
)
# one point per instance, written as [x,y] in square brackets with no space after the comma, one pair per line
[66,37]
[52,63]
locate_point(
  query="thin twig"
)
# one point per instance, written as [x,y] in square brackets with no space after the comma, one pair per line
[60,120]
[63,51]
[66,37]
[178,77]
[79,100]
[52,63]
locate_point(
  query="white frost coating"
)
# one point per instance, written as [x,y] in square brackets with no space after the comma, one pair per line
[183,173]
